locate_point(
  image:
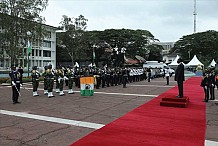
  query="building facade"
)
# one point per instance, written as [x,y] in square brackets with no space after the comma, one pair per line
[167,58]
[42,53]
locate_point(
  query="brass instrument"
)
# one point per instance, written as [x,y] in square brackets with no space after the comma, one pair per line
[48,71]
[33,71]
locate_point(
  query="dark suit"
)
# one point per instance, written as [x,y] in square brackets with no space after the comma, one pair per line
[179,77]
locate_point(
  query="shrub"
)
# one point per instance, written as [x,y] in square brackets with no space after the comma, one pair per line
[216,72]
[3,80]
[25,80]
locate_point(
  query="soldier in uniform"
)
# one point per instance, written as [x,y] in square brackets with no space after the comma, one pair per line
[212,82]
[20,70]
[49,75]
[35,80]
[125,76]
[205,85]
[149,74]
[98,78]
[103,78]
[45,80]
[108,77]
[70,77]
[15,82]
[56,79]
[60,81]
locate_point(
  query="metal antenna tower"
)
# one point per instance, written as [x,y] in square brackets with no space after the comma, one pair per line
[195,14]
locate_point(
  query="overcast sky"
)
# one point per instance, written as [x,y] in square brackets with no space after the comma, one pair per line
[167,20]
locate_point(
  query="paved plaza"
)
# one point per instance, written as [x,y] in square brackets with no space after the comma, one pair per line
[62,120]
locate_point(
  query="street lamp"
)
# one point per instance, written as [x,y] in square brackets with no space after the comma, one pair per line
[189,53]
[123,51]
[28,51]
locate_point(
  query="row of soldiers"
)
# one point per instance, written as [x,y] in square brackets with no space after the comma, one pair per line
[208,83]
[103,77]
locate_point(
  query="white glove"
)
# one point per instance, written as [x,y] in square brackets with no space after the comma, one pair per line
[59,80]
[21,85]
[13,84]
[212,85]
[205,87]
[65,78]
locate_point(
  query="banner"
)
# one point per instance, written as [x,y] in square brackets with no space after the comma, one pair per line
[87,86]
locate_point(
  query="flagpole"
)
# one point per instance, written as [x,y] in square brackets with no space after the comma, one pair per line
[28,51]
[93,55]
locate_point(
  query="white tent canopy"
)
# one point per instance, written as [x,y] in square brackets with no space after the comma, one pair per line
[174,62]
[194,62]
[213,63]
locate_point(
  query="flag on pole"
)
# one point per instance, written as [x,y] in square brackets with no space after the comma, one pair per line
[93,54]
[29,49]
[90,65]
[76,64]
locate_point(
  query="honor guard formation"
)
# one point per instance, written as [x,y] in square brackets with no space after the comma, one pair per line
[70,76]
[209,80]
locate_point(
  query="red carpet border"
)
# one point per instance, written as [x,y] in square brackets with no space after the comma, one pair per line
[155,125]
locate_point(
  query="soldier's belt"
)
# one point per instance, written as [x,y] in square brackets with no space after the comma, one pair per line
[35,79]
[17,81]
[50,78]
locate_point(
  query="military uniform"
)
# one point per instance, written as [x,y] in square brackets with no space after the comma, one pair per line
[212,82]
[35,80]
[49,75]
[57,83]
[15,82]
[60,80]
[103,78]
[45,80]
[205,85]
[125,76]
[70,76]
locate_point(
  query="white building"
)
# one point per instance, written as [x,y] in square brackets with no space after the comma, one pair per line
[167,58]
[42,54]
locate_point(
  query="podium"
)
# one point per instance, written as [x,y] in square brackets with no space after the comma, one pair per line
[175,102]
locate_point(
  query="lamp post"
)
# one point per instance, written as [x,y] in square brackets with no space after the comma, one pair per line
[28,51]
[189,54]
[93,54]
[123,51]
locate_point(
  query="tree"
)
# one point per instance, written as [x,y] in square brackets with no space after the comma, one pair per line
[72,39]
[134,41]
[17,17]
[203,44]
[154,52]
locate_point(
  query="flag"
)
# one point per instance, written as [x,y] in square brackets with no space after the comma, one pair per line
[93,55]
[86,86]
[90,65]
[29,49]
[105,67]
[76,64]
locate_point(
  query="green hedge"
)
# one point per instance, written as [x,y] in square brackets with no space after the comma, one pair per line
[25,80]
[216,72]
[3,80]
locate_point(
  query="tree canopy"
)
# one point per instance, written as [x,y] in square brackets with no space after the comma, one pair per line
[136,42]
[202,44]
[16,19]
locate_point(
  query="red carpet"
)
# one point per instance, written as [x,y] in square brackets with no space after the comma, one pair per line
[155,125]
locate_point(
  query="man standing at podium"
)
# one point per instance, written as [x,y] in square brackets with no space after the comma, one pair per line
[179,77]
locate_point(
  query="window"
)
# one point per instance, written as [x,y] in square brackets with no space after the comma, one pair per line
[47,44]
[40,53]
[46,53]
[32,52]
[49,34]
